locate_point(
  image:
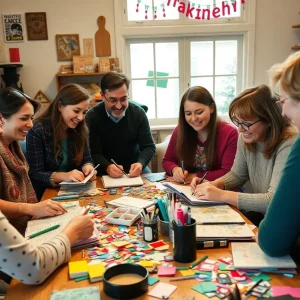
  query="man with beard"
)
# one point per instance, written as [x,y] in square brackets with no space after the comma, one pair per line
[119,130]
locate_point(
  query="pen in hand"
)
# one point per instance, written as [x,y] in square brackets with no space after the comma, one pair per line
[119,167]
[182,167]
[201,180]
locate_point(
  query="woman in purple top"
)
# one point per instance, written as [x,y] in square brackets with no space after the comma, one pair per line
[201,140]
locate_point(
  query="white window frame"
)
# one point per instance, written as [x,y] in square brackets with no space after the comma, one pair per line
[246,29]
[183,19]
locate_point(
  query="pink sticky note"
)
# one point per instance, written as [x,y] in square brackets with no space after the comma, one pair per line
[162,290]
[166,271]
[285,290]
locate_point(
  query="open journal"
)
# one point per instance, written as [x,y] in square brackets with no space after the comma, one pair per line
[110,182]
[38,225]
[185,192]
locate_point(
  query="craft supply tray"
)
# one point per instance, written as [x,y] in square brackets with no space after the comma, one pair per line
[123,216]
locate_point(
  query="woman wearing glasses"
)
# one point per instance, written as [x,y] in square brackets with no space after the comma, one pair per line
[201,142]
[280,230]
[57,145]
[264,143]
[19,204]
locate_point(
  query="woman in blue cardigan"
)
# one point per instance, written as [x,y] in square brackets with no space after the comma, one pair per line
[280,230]
[57,145]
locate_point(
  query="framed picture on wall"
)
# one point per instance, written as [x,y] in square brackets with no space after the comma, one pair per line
[36,24]
[67,45]
[13,28]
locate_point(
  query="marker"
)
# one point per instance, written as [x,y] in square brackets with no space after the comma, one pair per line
[67,197]
[197,262]
[201,180]
[119,167]
[182,167]
[33,235]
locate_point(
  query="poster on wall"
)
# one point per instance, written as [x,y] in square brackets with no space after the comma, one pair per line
[36,26]
[13,28]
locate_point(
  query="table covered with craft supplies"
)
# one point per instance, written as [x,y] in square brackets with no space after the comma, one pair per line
[211,274]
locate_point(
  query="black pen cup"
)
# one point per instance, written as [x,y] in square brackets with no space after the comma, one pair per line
[150,230]
[185,242]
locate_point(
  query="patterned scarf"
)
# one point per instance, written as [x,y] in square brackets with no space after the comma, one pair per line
[15,185]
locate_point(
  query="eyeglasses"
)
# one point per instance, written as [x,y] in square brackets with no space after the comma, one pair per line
[245,126]
[115,101]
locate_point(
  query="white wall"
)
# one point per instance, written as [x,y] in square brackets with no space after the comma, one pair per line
[273,38]
[274,34]
[65,16]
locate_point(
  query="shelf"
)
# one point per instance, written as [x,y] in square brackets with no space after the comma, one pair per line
[79,74]
[296,26]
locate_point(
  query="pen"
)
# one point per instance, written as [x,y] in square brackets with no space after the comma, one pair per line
[253,287]
[197,262]
[42,231]
[87,209]
[182,167]
[70,206]
[201,180]
[118,167]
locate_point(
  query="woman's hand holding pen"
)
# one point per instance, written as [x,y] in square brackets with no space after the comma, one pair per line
[207,191]
[80,227]
[114,171]
[135,170]
[178,175]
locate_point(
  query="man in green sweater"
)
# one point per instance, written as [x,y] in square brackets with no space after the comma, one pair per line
[119,130]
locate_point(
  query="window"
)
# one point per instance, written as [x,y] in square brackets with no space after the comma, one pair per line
[162,69]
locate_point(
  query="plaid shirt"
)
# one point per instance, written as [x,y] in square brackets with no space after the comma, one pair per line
[41,156]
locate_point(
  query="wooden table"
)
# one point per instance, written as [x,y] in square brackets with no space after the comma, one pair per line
[60,278]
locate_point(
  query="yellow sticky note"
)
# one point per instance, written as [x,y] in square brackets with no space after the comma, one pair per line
[187,272]
[96,272]
[146,263]
[78,268]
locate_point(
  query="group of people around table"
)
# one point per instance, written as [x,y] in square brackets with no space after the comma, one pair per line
[64,143]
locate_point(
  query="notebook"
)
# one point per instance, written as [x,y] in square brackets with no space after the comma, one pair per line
[78,269]
[96,271]
[110,182]
[91,293]
[131,202]
[185,192]
[250,256]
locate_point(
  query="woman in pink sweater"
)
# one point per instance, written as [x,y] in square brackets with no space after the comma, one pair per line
[201,140]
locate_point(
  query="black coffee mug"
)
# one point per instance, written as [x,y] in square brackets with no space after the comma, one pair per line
[185,242]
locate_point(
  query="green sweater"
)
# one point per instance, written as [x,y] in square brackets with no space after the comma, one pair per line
[279,231]
[127,142]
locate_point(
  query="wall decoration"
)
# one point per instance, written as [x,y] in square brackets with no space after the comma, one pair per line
[13,28]
[44,101]
[83,64]
[197,9]
[102,39]
[14,55]
[88,47]
[36,24]
[104,64]
[67,45]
